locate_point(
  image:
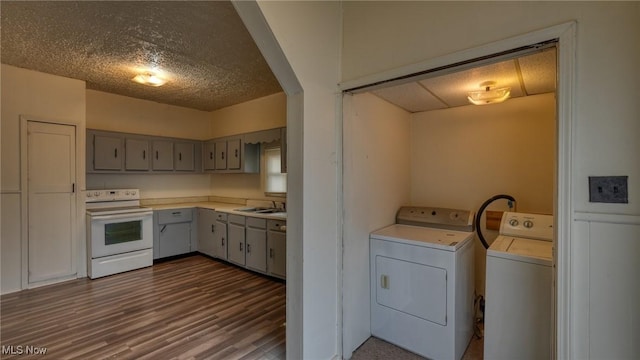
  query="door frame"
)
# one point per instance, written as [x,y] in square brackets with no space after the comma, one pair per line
[565,34]
[80,235]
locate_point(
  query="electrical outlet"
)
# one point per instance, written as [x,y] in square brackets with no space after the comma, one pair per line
[608,189]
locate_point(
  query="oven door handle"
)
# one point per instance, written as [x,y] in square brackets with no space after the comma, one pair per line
[121,216]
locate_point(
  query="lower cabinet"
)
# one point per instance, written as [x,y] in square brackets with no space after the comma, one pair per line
[220,236]
[206,231]
[172,233]
[236,232]
[277,248]
[256,251]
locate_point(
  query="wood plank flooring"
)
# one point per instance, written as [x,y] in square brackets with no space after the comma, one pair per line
[188,308]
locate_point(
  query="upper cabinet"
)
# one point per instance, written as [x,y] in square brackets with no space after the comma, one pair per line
[113,152]
[238,153]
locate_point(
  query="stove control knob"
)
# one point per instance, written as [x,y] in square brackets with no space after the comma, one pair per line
[89,194]
[513,222]
[126,192]
[97,193]
[133,192]
[528,224]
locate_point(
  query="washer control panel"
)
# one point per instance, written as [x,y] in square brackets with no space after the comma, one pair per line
[533,226]
[441,218]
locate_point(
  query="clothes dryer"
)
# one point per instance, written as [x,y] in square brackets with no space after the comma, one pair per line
[422,281]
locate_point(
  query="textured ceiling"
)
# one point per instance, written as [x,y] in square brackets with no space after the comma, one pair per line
[206,53]
[531,74]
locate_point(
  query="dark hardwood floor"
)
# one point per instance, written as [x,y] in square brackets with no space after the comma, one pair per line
[188,308]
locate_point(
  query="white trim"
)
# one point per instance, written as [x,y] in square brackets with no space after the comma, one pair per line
[607,218]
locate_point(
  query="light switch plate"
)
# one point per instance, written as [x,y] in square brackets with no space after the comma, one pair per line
[608,189]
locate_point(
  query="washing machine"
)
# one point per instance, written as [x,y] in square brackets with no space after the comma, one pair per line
[422,281]
[518,294]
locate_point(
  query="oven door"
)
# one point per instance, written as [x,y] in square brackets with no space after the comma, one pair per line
[119,233]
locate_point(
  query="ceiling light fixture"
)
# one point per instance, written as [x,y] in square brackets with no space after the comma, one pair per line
[150,79]
[489,95]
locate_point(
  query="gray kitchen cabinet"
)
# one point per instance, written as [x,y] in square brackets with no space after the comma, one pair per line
[162,155]
[236,234]
[206,231]
[172,233]
[256,244]
[209,155]
[220,236]
[277,248]
[184,156]
[136,154]
[107,152]
[234,152]
[221,155]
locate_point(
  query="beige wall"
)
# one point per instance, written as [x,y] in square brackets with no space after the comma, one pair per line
[462,156]
[112,112]
[260,114]
[376,183]
[48,98]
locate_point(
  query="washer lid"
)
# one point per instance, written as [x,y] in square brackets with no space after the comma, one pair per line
[422,236]
[521,249]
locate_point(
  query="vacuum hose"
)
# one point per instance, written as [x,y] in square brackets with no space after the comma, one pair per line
[481,210]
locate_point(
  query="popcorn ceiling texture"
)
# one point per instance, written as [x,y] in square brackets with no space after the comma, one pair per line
[209,57]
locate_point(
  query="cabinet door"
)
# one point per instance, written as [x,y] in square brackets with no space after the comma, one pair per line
[256,252]
[234,152]
[221,155]
[184,156]
[137,154]
[206,231]
[162,157]
[220,240]
[277,254]
[175,239]
[107,152]
[209,155]
[235,250]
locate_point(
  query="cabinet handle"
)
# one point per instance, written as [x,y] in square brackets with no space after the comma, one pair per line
[223,155]
[236,153]
[248,248]
[156,154]
[180,156]
[144,154]
[222,241]
[384,281]
[270,253]
[240,246]
[210,155]
[213,228]
[115,152]
[164,227]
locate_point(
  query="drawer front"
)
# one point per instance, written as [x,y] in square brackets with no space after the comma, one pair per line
[236,219]
[174,216]
[256,223]
[220,216]
[276,225]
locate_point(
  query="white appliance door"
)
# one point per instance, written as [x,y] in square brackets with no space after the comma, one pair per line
[120,233]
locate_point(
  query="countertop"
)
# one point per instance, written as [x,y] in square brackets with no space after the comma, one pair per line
[218,206]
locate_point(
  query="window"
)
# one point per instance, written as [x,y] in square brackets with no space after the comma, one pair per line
[275,182]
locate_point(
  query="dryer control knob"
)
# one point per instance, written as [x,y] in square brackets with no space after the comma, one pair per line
[513,222]
[528,224]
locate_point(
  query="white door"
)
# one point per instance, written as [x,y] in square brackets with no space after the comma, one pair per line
[51,159]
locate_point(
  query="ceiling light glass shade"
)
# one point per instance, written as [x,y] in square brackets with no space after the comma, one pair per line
[149,79]
[489,96]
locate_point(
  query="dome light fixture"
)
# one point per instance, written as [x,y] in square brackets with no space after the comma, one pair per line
[150,79]
[489,95]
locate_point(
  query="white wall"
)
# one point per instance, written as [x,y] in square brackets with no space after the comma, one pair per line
[376,183]
[462,156]
[382,36]
[309,34]
[46,97]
